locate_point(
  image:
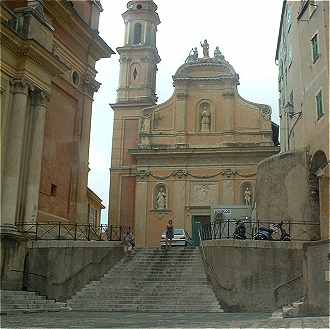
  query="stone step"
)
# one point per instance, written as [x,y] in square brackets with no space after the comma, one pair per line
[150,308]
[153,280]
[12,301]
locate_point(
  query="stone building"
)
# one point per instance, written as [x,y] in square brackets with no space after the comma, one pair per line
[49,51]
[301,171]
[197,150]
[95,207]
[48,55]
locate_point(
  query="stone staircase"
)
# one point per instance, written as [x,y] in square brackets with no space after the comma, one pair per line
[26,301]
[152,280]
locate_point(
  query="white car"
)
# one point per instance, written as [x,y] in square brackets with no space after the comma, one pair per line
[181,238]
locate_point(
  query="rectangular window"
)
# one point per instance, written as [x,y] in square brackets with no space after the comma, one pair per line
[315,48]
[53,190]
[319,105]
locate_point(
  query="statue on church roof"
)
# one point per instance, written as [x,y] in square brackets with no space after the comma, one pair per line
[193,56]
[218,56]
[205,47]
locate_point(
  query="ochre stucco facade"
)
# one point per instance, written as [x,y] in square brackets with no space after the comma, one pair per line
[48,55]
[197,150]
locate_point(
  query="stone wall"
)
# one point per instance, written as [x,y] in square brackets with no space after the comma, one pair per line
[58,269]
[246,274]
[13,250]
[283,193]
[316,278]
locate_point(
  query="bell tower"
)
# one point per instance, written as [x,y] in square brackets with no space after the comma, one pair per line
[137,90]
[139,56]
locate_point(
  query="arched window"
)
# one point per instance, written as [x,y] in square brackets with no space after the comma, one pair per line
[137,34]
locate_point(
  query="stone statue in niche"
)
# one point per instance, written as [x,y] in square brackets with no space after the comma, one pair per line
[145,125]
[161,198]
[205,47]
[205,120]
[247,197]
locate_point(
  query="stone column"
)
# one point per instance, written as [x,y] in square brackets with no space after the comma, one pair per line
[39,107]
[16,142]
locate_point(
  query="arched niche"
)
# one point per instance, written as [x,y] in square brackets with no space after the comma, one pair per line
[318,163]
[160,197]
[205,117]
[247,194]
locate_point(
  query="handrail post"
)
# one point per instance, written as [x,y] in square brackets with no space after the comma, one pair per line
[75,231]
[59,230]
[228,228]
[290,229]
[120,232]
[100,227]
[110,235]
[36,230]
[89,231]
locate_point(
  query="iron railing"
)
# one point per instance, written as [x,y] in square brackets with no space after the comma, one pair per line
[63,231]
[225,228]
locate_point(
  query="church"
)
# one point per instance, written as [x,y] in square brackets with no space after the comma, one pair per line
[184,158]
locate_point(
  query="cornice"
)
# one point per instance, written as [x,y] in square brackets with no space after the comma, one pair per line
[66,15]
[241,150]
[32,50]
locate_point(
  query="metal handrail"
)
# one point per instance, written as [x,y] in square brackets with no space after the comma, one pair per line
[224,228]
[68,231]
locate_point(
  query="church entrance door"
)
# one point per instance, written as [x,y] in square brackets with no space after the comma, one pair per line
[196,221]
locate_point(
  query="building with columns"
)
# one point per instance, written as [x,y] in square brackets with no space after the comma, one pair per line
[48,55]
[197,150]
[301,171]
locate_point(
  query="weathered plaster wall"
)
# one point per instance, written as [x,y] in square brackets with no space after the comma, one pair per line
[316,277]
[13,250]
[58,269]
[283,193]
[246,273]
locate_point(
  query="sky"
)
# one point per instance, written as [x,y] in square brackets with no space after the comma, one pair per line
[245,31]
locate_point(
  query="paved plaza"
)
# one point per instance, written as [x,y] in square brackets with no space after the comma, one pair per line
[156,320]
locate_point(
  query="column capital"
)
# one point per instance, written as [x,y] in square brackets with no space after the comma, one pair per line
[20,86]
[39,97]
[91,85]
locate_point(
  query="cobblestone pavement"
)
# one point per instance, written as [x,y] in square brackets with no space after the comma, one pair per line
[156,320]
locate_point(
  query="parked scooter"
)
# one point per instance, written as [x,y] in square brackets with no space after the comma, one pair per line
[240,231]
[264,233]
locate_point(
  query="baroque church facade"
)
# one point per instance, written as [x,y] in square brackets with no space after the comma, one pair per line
[182,158]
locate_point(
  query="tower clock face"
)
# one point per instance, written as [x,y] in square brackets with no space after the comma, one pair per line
[130,5]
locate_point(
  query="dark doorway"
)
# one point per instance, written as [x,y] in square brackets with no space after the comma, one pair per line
[196,222]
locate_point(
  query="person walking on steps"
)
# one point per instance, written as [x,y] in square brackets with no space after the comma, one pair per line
[169,233]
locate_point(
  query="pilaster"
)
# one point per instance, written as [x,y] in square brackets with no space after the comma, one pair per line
[39,107]
[14,153]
